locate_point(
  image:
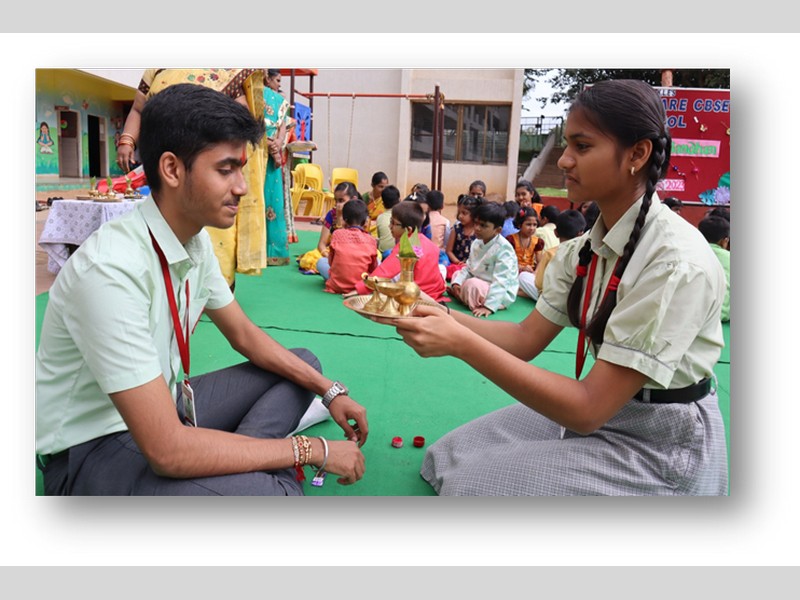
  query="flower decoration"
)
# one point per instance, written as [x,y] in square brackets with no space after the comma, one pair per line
[410,246]
[722,195]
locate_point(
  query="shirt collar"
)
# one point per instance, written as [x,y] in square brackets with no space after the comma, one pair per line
[613,240]
[174,251]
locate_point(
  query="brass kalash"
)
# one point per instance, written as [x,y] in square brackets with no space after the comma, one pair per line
[395,298]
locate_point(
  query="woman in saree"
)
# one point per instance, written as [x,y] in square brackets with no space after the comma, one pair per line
[241,248]
[277,198]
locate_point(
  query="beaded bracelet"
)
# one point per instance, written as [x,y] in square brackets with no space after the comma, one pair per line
[302,449]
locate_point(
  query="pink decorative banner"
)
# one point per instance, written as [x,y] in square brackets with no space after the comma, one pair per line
[696,148]
[671,185]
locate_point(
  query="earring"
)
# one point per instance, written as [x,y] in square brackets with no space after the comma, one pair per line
[633,170]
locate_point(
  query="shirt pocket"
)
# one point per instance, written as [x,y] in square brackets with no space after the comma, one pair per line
[196,307]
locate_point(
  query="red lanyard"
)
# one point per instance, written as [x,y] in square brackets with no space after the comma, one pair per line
[583,340]
[180,337]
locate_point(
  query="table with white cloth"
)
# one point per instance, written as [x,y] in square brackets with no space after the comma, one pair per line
[70,222]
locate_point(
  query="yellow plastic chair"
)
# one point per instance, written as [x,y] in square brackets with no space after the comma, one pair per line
[340,174]
[313,175]
[298,187]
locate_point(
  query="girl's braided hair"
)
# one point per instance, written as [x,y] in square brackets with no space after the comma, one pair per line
[629,111]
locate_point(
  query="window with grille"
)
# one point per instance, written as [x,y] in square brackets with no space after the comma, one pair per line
[472,132]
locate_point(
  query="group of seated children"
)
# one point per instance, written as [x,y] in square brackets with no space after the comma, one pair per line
[495,251]
[716,228]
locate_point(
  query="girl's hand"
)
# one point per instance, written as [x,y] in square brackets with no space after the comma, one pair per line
[481,311]
[431,331]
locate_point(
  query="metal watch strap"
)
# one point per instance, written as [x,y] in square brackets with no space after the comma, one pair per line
[337,389]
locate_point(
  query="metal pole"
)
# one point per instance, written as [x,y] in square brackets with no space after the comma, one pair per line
[311,120]
[435,149]
[441,142]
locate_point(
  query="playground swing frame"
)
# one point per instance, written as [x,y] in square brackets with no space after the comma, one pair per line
[438,123]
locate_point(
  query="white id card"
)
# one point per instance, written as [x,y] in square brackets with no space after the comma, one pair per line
[188,404]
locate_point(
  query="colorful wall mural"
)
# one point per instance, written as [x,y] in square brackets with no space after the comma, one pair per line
[79,118]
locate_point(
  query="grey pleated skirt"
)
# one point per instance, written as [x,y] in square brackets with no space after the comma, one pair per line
[644,450]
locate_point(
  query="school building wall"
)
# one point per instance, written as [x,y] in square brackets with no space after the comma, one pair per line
[66,101]
[374,134]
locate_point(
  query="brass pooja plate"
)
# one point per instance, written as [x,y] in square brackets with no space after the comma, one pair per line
[357,303]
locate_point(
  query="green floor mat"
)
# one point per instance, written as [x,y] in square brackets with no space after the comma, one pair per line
[405,395]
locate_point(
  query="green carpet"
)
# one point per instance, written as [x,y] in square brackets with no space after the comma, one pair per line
[405,395]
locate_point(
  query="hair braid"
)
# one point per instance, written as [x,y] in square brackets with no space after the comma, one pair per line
[596,327]
[574,298]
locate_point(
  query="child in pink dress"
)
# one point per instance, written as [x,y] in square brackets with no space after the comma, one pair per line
[353,250]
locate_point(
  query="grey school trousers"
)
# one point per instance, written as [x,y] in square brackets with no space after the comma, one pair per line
[243,398]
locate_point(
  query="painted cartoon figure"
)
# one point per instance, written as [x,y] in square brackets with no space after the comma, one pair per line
[45,141]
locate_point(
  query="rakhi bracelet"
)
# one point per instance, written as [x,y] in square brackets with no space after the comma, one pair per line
[298,467]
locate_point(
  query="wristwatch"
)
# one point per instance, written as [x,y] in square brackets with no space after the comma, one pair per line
[337,389]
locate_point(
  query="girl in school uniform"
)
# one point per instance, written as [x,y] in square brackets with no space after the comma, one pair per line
[645,292]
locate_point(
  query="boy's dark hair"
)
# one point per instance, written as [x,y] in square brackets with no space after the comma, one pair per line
[378,177]
[714,228]
[409,214]
[348,188]
[390,196]
[570,224]
[490,212]
[672,202]
[523,214]
[187,119]
[720,211]
[512,209]
[549,212]
[355,212]
[435,200]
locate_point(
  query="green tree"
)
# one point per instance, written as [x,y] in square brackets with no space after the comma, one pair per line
[567,83]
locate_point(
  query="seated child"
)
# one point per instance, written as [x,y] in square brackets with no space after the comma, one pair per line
[477,189]
[717,230]
[512,210]
[569,225]
[547,226]
[383,228]
[353,251]
[526,244]
[439,224]
[373,199]
[461,235]
[488,282]
[408,216]
[316,260]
